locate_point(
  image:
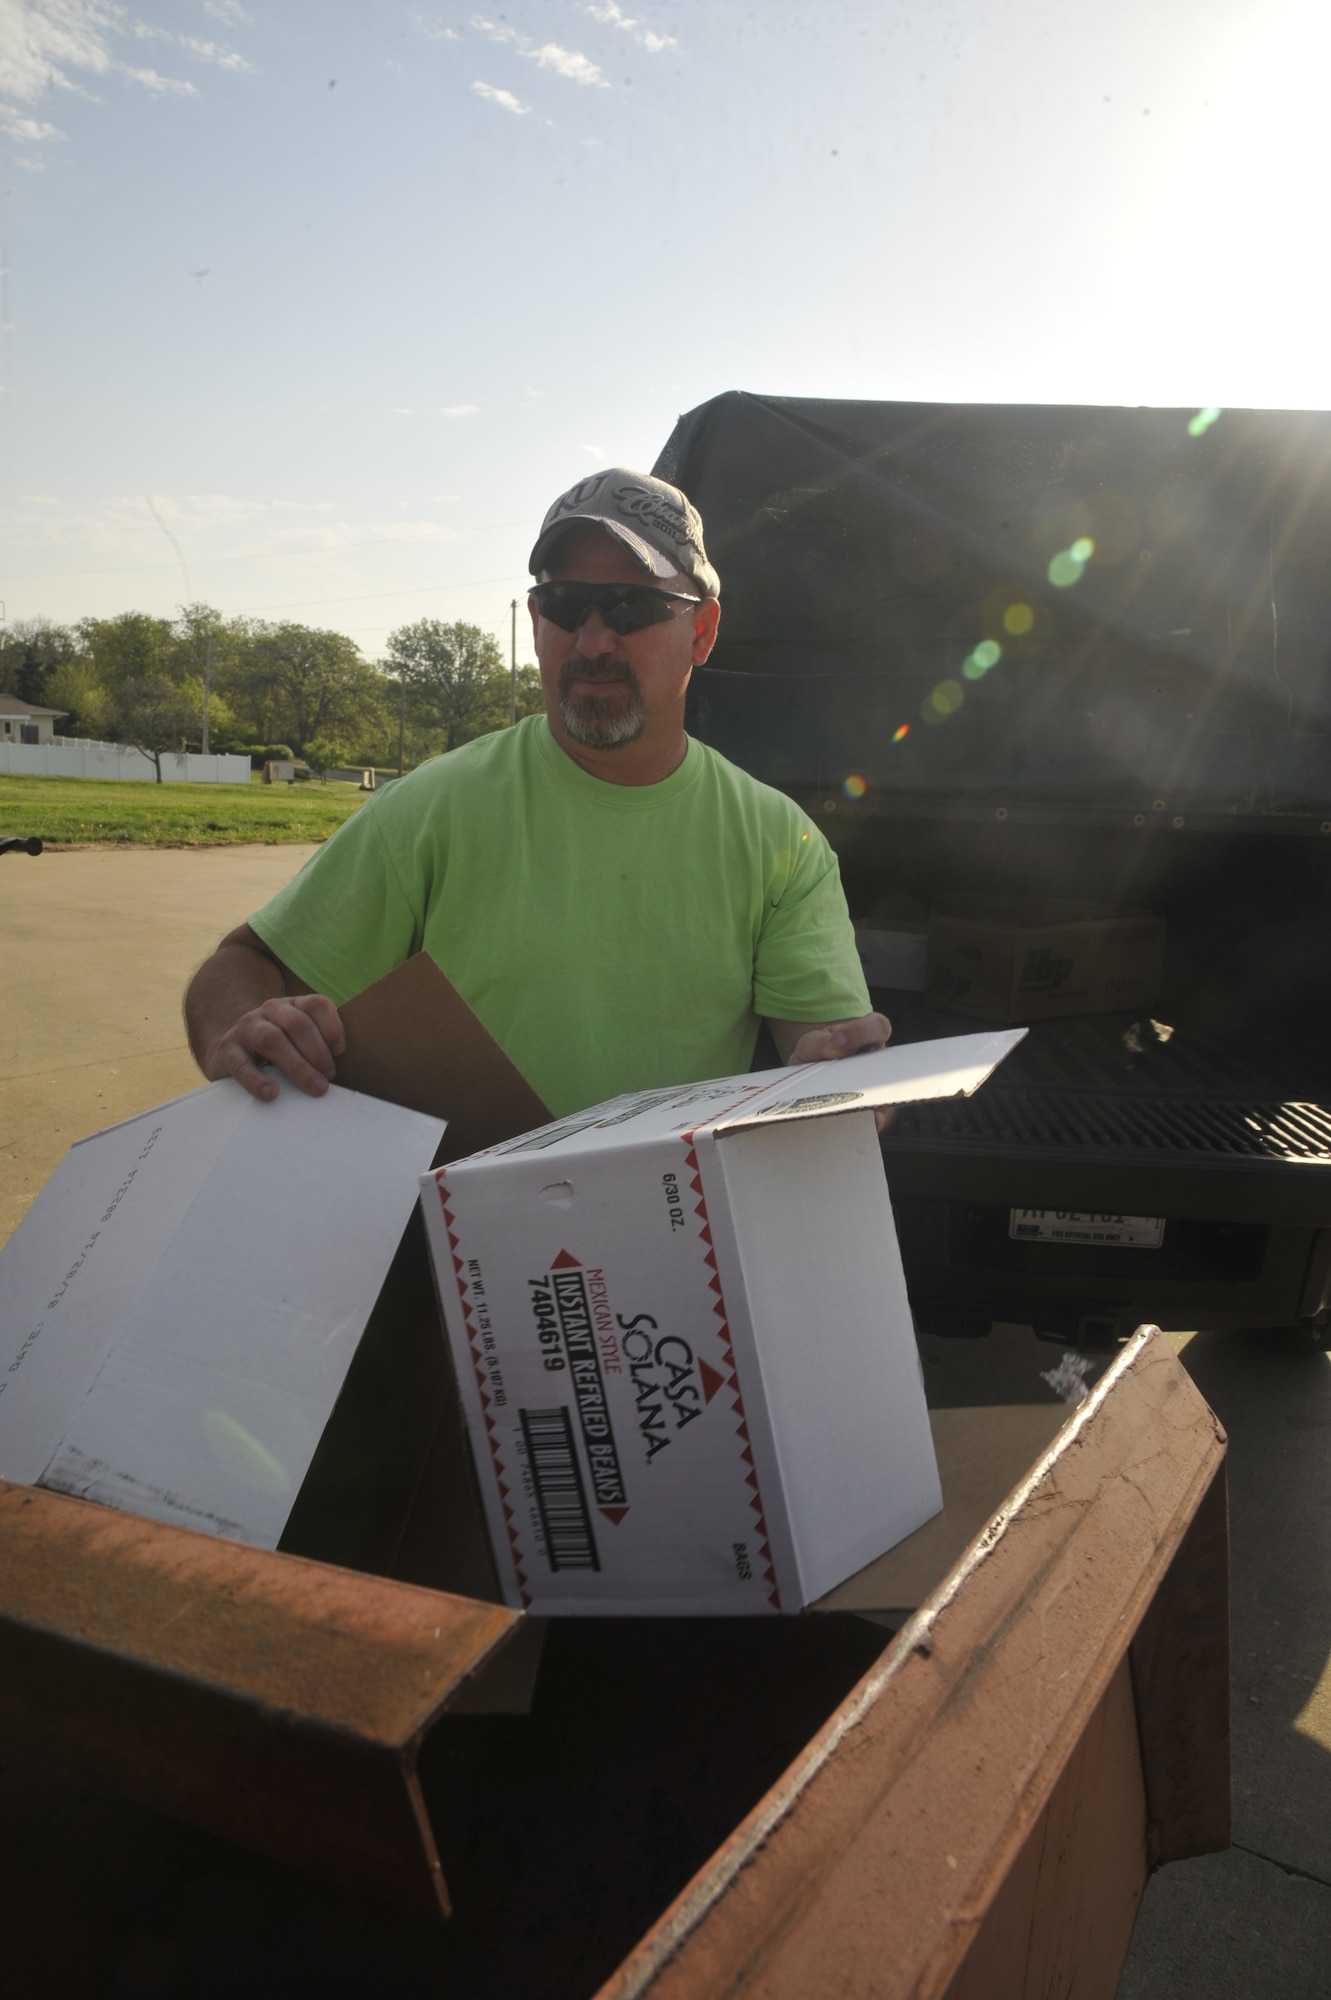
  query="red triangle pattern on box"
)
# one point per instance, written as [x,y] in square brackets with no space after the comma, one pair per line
[712,1379]
[730,1379]
[483,1383]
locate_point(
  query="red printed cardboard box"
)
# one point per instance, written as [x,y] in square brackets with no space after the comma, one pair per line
[683,1341]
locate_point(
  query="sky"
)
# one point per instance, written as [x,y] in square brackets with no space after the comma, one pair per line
[311,308]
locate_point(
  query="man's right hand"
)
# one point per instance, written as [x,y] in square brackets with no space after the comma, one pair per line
[245,1008]
[299,1034]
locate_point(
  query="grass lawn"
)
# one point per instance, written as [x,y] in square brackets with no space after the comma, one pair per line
[77,811]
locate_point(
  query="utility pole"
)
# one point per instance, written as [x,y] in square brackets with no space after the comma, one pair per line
[513,663]
[207,686]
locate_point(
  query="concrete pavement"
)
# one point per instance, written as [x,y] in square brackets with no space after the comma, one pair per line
[97,944]
[1256,1921]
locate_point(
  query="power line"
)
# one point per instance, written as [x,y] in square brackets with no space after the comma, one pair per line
[366,597]
[265,555]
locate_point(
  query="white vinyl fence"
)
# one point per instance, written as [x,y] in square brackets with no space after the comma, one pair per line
[80,757]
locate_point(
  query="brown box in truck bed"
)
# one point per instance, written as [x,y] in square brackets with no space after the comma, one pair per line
[1022,958]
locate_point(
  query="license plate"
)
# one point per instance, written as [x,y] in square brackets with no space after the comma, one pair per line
[1122,1232]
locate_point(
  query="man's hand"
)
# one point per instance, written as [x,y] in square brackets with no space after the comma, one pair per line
[830,1040]
[300,1034]
[797,1042]
[244,1008]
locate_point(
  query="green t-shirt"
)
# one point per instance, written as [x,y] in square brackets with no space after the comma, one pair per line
[611,937]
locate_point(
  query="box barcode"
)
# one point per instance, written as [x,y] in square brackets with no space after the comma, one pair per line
[560,1494]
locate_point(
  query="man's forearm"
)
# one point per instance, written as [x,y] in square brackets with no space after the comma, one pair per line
[239,975]
[246,1013]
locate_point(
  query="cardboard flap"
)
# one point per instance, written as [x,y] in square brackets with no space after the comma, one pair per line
[413,1040]
[953,1067]
[220,1260]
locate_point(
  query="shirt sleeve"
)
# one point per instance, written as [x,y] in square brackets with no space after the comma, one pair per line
[345,919]
[806,967]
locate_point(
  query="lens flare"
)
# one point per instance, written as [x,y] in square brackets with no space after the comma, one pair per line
[1018,619]
[854,786]
[977,664]
[1082,549]
[241,1454]
[1203,421]
[1065,570]
[901,734]
[945,700]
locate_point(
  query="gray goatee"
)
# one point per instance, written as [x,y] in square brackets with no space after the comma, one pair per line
[602,722]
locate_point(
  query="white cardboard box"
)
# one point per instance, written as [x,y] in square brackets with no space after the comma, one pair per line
[683,1341]
[181,1303]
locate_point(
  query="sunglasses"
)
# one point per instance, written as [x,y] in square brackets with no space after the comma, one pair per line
[624,607]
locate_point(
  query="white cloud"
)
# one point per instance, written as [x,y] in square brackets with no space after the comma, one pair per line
[211,52]
[229,11]
[503,98]
[497,31]
[567,62]
[459,409]
[437,31]
[17,126]
[53,45]
[151,79]
[307,560]
[41,41]
[615,17]
[443,410]
[595,450]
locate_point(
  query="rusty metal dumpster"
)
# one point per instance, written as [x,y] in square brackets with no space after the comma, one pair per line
[225,1770]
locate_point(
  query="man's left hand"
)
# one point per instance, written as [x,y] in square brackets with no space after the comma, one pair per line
[828,1041]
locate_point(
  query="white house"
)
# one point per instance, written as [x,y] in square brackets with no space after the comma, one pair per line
[26,721]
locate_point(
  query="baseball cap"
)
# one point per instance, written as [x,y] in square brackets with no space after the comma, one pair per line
[657,523]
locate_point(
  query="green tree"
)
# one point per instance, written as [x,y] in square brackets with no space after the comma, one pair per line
[531,695]
[296,683]
[75,688]
[31,651]
[322,753]
[207,651]
[153,714]
[221,718]
[133,646]
[455,681]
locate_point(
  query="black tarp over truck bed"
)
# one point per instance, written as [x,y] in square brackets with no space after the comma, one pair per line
[1064,652]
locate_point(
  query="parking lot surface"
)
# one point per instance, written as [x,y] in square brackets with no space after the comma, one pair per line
[97,944]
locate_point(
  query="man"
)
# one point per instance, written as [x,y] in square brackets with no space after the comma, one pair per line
[617,902]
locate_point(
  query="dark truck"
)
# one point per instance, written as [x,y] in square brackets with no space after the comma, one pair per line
[1079,654]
